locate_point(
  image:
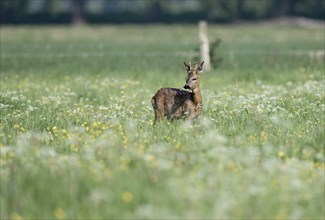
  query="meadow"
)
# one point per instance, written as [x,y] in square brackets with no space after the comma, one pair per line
[77,138]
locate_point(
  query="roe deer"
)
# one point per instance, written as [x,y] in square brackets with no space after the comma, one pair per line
[178,103]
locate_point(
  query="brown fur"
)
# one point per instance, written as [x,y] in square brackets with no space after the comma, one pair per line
[177,103]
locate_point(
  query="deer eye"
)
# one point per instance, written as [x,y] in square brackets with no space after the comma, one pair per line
[194,79]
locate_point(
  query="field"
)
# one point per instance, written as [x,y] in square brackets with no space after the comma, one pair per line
[77,138]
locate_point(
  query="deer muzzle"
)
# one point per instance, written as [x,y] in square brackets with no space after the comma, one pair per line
[187,87]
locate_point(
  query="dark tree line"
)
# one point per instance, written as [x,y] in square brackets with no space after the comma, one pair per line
[148,11]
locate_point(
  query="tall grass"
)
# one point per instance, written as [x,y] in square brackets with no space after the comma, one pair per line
[77,139]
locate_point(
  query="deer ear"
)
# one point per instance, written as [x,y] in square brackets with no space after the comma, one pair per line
[187,67]
[200,66]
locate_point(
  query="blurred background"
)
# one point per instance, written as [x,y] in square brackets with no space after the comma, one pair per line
[155,11]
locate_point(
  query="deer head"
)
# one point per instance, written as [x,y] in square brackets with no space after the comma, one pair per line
[193,75]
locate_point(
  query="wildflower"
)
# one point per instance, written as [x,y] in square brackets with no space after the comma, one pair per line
[252,138]
[233,167]
[127,197]
[263,135]
[11,154]
[59,213]
[95,124]
[141,148]
[151,160]
[281,154]
[16,216]
[319,166]
[177,146]
[55,130]
[74,148]
[66,78]
[105,126]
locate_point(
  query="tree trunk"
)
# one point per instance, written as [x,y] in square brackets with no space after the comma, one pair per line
[78,12]
[204,44]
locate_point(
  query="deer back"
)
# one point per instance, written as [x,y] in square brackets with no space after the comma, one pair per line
[173,102]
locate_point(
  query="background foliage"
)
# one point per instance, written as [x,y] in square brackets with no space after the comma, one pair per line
[143,11]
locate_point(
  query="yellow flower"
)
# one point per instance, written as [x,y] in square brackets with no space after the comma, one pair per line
[125,140]
[178,146]
[252,138]
[16,216]
[281,154]
[263,135]
[127,197]
[74,148]
[105,126]
[59,213]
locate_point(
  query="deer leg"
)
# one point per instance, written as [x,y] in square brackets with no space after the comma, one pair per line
[193,117]
[158,116]
[195,113]
[158,110]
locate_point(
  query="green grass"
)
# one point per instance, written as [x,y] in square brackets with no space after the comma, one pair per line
[76,131]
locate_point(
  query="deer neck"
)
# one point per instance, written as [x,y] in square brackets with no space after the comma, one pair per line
[197,97]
